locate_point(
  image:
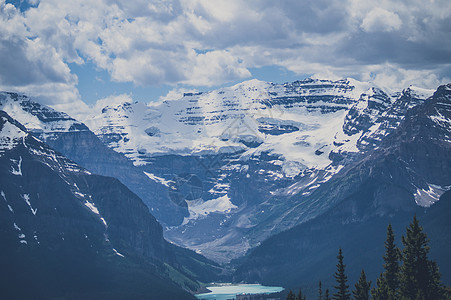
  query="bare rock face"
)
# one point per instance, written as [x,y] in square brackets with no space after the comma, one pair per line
[424,137]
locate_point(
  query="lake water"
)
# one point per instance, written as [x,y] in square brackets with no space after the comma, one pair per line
[229,291]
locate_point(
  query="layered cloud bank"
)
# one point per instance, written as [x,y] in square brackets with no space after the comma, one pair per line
[207,43]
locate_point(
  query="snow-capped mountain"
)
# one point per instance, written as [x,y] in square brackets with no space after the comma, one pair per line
[74,140]
[296,121]
[42,121]
[224,170]
[233,156]
[62,227]
[408,174]
[293,120]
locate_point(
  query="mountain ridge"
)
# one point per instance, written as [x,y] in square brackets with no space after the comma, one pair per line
[274,143]
[385,189]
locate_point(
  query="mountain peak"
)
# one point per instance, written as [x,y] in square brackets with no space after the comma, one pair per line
[6,118]
[251,83]
[417,92]
[11,132]
[38,118]
[112,101]
[443,90]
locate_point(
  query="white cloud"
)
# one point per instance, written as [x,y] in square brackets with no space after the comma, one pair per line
[379,19]
[176,94]
[112,100]
[205,43]
[76,108]
[30,66]
[393,77]
[214,68]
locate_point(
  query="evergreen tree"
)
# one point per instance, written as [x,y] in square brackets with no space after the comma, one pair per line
[391,261]
[326,295]
[419,278]
[362,288]
[300,296]
[291,296]
[447,292]
[387,284]
[320,291]
[342,289]
[381,292]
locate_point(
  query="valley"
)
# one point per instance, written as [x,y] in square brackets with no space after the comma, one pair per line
[241,173]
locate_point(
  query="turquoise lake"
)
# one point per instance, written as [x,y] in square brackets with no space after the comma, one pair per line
[229,291]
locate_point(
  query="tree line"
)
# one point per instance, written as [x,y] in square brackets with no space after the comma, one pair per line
[408,273]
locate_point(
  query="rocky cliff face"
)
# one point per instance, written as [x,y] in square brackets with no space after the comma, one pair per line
[423,140]
[408,173]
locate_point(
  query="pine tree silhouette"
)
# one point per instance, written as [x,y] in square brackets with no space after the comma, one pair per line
[388,282]
[362,288]
[291,296]
[326,295]
[342,289]
[320,291]
[300,296]
[419,278]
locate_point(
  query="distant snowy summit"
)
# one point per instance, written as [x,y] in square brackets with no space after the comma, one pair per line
[41,120]
[303,121]
[309,124]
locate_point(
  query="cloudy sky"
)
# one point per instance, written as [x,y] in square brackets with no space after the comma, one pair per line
[66,51]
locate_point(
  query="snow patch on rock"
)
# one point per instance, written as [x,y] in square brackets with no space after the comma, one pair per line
[199,208]
[428,196]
